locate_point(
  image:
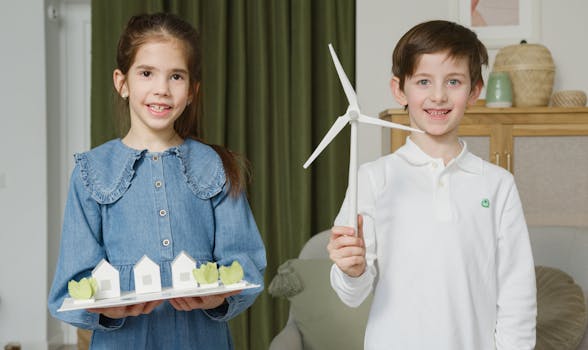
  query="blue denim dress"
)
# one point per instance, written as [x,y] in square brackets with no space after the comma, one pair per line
[124,203]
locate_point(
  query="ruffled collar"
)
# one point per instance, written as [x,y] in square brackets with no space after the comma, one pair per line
[107,171]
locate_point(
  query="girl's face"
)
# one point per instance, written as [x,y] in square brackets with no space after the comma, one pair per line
[157,85]
[437,94]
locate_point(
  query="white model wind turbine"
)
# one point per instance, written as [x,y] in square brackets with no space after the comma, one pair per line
[351,116]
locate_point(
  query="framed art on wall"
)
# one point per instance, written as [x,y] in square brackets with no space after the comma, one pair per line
[501,22]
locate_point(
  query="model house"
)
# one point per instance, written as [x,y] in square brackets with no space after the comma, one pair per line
[182,266]
[147,276]
[107,279]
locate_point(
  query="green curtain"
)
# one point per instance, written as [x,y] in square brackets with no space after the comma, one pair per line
[270,92]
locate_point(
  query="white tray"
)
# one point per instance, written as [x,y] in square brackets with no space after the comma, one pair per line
[130,298]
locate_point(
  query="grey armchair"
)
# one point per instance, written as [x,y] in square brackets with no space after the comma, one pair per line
[317,318]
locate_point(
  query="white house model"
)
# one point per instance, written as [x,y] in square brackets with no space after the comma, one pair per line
[107,279]
[147,276]
[182,266]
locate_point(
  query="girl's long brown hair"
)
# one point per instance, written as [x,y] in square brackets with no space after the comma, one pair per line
[166,26]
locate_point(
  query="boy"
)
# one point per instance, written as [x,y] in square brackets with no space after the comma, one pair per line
[442,237]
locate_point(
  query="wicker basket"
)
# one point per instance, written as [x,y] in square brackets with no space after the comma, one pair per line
[531,71]
[569,98]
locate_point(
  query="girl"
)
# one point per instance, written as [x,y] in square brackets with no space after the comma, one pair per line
[156,192]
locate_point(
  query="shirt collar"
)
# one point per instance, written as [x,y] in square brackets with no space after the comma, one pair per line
[468,162]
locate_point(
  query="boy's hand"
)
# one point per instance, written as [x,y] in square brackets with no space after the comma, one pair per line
[346,250]
[117,312]
[204,302]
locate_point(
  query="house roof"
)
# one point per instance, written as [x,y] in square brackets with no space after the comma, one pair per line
[183,257]
[104,267]
[145,263]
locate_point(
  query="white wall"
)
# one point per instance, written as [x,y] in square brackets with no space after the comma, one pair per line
[563,31]
[68,38]
[23,175]
[380,23]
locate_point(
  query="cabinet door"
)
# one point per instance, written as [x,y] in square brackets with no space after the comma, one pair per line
[487,141]
[552,176]
[480,146]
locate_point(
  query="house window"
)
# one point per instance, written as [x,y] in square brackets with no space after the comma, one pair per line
[185,276]
[105,285]
[147,281]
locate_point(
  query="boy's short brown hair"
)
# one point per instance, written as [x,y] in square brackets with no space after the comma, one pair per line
[438,36]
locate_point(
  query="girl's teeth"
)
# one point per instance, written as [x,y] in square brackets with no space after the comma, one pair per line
[157,108]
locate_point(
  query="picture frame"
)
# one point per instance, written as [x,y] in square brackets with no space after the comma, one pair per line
[500,23]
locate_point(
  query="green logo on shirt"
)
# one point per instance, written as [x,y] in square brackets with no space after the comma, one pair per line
[485,203]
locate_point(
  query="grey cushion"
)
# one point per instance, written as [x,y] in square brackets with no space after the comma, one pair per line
[561,310]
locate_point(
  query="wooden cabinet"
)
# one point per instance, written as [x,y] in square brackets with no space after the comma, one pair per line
[503,125]
[545,148]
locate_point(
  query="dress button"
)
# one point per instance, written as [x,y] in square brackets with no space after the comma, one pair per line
[434,165]
[155,158]
[165,242]
[441,184]
[162,212]
[158,184]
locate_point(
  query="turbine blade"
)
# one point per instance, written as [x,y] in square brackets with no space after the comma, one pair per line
[370,120]
[347,87]
[329,136]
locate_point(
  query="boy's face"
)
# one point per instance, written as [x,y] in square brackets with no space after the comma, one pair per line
[437,94]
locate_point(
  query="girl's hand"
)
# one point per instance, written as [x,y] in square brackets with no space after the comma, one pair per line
[204,302]
[346,250]
[128,310]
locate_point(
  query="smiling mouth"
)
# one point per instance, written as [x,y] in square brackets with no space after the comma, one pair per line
[438,113]
[158,108]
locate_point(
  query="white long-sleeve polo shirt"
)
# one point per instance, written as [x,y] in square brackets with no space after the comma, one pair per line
[448,255]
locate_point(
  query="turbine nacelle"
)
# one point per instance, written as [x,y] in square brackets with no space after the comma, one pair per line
[352,116]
